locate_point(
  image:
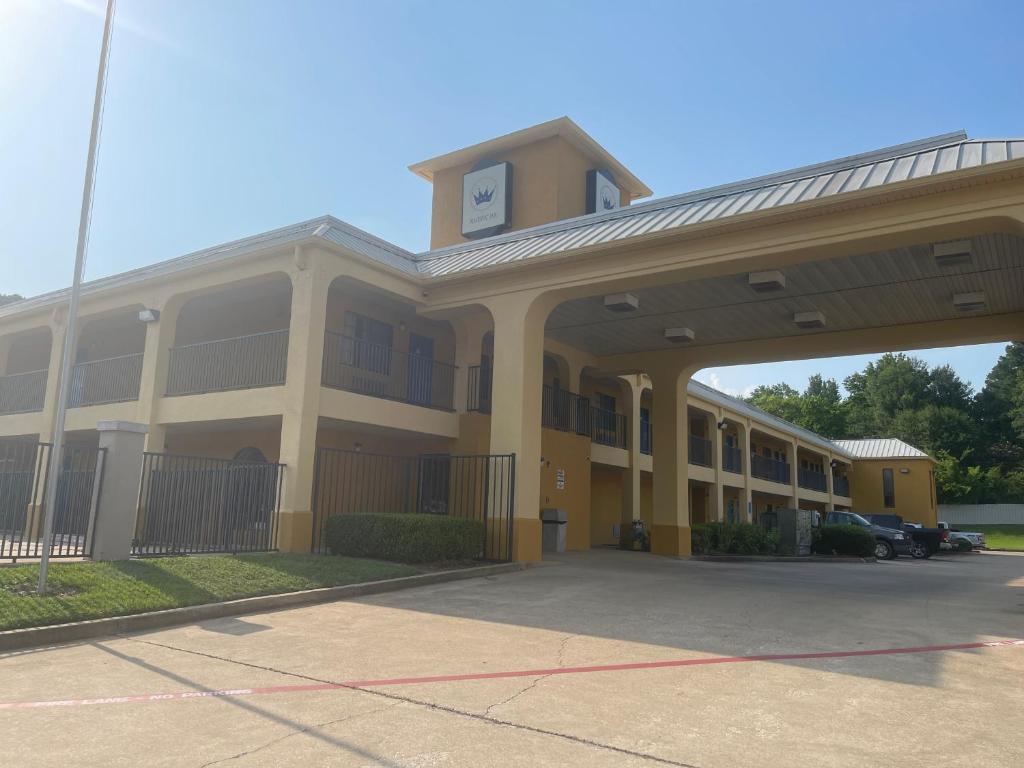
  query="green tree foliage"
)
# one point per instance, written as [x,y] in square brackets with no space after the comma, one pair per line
[9,298]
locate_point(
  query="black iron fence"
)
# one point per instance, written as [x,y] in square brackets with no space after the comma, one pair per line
[732,459]
[381,371]
[244,362]
[564,410]
[646,438]
[840,485]
[812,479]
[114,380]
[700,451]
[767,468]
[475,487]
[22,392]
[24,479]
[608,427]
[193,504]
[478,398]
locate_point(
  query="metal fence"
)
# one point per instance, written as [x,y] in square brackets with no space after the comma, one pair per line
[478,398]
[646,438]
[565,411]
[475,487]
[24,477]
[700,451]
[22,392]
[244,362]
[812,479]
[193,504]
[114,380]
[732,459]
[381,371]
[982,514]
[840,485]
[769,469]
[608,427]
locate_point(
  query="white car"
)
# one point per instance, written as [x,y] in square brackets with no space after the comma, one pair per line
[976,539]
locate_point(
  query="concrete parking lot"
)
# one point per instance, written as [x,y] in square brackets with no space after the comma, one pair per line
[595,659]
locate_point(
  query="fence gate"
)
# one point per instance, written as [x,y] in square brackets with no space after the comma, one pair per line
[193,504]
[475,487]
[24,481]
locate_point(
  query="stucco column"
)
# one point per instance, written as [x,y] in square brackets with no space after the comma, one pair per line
[794,475]
[469,339]
[632,388]
[155,359]
[113,527]
[516,406]
[670,533]
[301,401]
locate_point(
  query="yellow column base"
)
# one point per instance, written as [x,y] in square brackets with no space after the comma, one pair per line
[295,532]
[526,544]
[671,540]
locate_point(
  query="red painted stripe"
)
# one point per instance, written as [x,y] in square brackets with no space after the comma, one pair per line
[378,683]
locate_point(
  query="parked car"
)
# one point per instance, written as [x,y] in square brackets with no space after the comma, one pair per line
[976,539]
[889,542]
[925,542]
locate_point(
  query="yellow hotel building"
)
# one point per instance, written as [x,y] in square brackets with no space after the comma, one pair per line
[557,319]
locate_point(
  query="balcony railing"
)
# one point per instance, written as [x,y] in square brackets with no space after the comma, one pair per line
[646,438]
[769,469]
[732,459]
[244,362]
[812,479]
[381,371]
[22,392]
[113,380]
[564,410]
[840,485]
[700,451]
[608,427]
[478,398]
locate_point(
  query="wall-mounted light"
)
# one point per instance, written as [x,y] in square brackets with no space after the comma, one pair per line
[358,447]
[834,464]
[904,471]
[149,315]
[723,424]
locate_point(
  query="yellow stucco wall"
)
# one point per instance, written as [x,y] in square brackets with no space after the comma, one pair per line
[571,453]
[914,490]
[605,504]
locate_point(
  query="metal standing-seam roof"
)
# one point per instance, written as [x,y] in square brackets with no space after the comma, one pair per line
[881,448]
[927,157]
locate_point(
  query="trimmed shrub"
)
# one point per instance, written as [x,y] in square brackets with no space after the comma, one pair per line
[732,539]
[405,538]
[843,540]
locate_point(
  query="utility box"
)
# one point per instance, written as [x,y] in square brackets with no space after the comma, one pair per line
[795,528]
[554,523]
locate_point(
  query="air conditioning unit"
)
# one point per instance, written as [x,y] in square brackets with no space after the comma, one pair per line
[809,319]
[766,282]
[621,302]
[679,335]
[952,254]
[969,302]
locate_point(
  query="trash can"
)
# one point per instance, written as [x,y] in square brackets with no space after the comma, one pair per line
[554,525]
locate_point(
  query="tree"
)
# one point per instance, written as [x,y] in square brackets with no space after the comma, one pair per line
[993,411]
[778,399]
[9,298]
[822,408]
[887,386]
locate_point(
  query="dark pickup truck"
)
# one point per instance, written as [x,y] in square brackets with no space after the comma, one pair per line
[925,541]
[889,542]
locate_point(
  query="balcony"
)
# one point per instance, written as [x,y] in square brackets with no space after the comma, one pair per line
[732,459]
[22,392]
[99,382]
[700,451]
[812,480]
[646,438]
[840,485]
[378,370]
[565,411]
[608,427]
[766,468]
[244,362]
[478,398]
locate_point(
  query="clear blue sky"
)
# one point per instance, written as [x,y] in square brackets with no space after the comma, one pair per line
[232,117]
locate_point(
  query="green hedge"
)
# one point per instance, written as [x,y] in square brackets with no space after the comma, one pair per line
[732,539]
[843,540]
[405,538]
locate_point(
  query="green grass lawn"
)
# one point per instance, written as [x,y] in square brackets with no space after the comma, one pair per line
[96,590]
[1000,536]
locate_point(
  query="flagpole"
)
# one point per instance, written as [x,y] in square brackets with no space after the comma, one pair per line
[71,330]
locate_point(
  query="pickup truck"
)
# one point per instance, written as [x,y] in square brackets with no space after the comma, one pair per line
[889,542]
[976,539]
[925,542]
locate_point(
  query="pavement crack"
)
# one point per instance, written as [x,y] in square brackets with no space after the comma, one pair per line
[560,663]
[444,708]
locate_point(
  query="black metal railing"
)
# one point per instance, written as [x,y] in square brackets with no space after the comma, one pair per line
[24,479]
[475,487]
[608,427]
[194,504]
[478,398]
[812,479]
[381,371]
[244,362]
[700,451]
[22,392]
[113,380]
[646,438]
[565,411]
[767,468]
[840,485]
[732,459]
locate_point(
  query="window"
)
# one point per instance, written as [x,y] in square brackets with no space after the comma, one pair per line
[888,488]
[369,343]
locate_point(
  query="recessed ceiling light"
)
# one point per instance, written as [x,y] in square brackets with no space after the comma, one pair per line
[621,302]
[766,282]
[969,302]
[679,335]
[952,254]
[809,319]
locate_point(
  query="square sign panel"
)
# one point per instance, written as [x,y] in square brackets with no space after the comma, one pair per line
[602,192]
[487,200]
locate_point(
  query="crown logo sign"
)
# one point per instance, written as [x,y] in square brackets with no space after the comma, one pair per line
[607,202]
[483,195]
